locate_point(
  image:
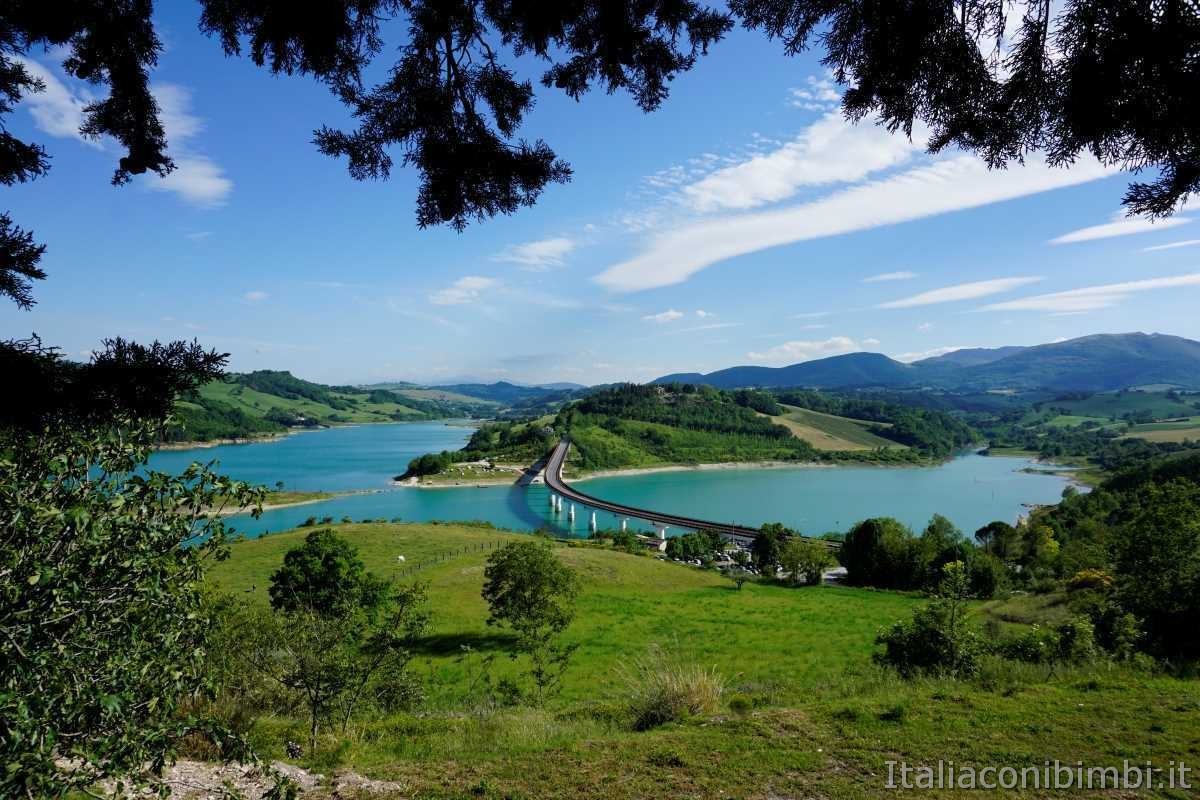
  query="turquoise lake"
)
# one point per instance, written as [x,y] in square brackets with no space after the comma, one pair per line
[971,490]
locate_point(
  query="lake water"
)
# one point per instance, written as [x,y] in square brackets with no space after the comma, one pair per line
[971,490]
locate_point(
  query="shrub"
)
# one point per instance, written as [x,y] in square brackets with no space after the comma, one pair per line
[937,640]
[985,575]
[660,688]
[1037,645]
[1077,641]
[1095,579]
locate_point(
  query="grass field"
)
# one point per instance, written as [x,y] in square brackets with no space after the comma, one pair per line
[829,432]
[1113,404]
[805,713]
[258,403]
[1179,429]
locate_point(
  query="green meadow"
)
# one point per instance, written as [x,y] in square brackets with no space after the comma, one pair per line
[805,712]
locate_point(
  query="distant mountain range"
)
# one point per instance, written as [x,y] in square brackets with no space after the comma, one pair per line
[1101,362]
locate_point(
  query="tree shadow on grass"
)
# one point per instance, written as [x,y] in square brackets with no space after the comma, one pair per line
[445,644]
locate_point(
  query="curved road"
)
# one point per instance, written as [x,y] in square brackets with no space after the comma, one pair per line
[555,481]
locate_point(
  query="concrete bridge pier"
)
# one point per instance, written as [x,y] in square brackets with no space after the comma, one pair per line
[571,513]
[662,532]
[553,499]
[624,524]
[592,524]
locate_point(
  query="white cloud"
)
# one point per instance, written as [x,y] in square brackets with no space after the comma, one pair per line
[813,326]
[539,256]
[196,178]
[712,326]
[811,315]
[1092,298]
[818,94]
[908,358]
[950,185]
[796,351]
[832,150]
[1120,226]
[902,275]
[871,342]
[464,290]
[961,291]
[58,109]
[198,236]
[670,315]
[925,326]
[1172,245]
[255,296]
[700,312]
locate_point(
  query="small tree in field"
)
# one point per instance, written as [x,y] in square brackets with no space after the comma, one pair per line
[805,561]
[938,638]
[337,662]
[528,589]
[326,576]
[768,546]
[737,574]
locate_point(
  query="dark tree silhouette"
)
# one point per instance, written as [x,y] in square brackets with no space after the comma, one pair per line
[449,102]
[1115,78]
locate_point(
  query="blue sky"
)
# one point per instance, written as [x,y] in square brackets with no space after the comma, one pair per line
[744,222]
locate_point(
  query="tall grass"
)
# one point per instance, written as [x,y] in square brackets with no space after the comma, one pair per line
[662,687]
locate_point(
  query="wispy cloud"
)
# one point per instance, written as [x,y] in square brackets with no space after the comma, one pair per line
[830,151]
[539,256]
[796,351]
[950,185]
[1120,226]
[902,275]
[670,315]
[58,108]
[700,312]
[961,291]
[424,316]
[811,315]
[1092,298]
[1172,245]
[196,178]
[819,93]
[925,326]
[256,296]
[465,290]
[712,326]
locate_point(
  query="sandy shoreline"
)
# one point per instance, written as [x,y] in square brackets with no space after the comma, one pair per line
[329,496]
[270,437]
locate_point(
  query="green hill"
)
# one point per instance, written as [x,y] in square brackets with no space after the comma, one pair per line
[270,401]
[632,426]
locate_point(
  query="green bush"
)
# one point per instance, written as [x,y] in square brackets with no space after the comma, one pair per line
[937,640]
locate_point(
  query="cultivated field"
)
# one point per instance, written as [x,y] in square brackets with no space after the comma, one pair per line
[829,432]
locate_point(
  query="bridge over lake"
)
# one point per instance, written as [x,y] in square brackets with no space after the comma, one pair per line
[662,521]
